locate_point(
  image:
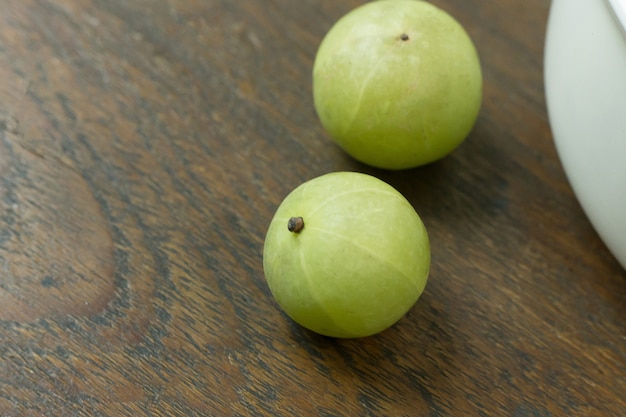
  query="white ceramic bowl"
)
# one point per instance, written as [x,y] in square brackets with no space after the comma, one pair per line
[585,80]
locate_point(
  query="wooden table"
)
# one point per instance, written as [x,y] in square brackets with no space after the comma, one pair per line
[144,148]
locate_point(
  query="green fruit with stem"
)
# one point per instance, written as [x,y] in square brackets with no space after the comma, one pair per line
[346,255]
[397,83]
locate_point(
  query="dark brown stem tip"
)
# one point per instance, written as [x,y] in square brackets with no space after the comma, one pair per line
[295,224]
[404,37]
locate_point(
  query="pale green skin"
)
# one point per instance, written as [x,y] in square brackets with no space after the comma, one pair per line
[394,103]
[360,263]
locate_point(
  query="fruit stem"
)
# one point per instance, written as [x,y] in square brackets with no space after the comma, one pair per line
[295,224]
[404,37]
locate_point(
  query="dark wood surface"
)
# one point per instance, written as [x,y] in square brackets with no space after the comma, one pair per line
[144,147]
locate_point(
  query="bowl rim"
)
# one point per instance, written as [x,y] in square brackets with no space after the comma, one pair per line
[618,7]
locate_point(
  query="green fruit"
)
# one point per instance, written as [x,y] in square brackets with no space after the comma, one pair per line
[346,255]
[397,83]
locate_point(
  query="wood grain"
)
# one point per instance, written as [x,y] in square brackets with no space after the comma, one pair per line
[144,147]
